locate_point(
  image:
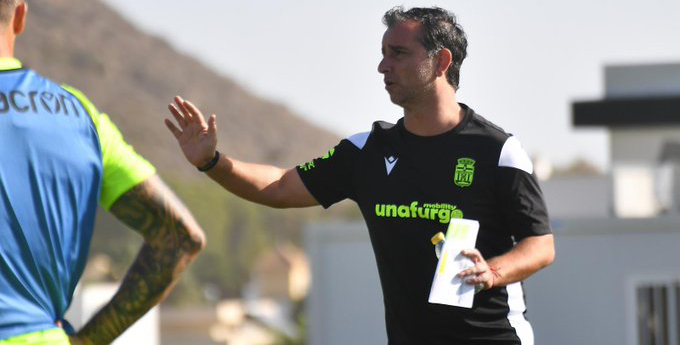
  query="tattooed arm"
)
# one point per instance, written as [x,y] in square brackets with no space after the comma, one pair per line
[172,239]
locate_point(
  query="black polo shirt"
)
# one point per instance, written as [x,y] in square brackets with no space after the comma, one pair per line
[408,187]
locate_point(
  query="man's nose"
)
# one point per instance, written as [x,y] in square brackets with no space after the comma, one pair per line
[383,66]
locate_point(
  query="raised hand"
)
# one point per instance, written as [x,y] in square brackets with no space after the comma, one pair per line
[196,138]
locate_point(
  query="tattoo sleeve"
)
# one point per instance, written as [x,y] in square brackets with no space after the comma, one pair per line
[172,238]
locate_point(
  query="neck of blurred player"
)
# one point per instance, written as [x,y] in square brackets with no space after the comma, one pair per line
[7,42]
[435,111]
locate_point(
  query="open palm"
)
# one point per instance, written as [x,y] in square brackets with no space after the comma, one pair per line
[196,138]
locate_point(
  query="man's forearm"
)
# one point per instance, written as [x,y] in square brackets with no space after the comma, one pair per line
[145,284]
[171,240]
[528,256]
[253,182]
[263,184]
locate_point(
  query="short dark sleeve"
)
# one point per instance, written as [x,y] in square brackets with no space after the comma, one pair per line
[329,177]
[522,206]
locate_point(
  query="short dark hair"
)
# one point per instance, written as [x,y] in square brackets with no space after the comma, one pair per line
[439,30]
[6,9]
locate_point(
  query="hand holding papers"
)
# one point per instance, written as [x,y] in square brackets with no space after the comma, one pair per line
[447,287]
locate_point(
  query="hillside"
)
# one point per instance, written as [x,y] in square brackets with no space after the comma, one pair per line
[133,76]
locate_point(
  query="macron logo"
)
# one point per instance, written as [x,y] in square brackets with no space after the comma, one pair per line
[389,163]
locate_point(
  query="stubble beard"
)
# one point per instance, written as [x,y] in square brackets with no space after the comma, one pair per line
[410,95]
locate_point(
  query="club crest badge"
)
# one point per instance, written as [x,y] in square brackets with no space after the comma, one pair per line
[465,172]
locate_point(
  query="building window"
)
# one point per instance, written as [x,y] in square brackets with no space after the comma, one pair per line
[657,309]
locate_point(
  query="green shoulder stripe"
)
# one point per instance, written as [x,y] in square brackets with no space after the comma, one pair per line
[91,109]
[123,167]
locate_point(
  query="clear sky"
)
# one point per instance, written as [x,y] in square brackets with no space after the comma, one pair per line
[527,59]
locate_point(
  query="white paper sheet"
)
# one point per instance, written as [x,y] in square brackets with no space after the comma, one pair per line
[447,288]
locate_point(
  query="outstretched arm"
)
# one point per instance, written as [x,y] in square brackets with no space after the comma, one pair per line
[263,184]
[172,239]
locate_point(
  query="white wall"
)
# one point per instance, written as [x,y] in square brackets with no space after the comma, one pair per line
[583,298]
[642,80]
[641,144]
[578,196]
[345,301]
[636,169]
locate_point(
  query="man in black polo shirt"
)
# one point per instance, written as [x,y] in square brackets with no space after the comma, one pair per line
[440,161]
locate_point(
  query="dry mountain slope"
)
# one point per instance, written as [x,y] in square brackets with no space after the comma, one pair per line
[132,76]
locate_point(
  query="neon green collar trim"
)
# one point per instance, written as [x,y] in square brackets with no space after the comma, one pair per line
[9,63]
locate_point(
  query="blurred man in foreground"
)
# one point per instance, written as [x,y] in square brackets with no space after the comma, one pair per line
[59,158]
[440,161]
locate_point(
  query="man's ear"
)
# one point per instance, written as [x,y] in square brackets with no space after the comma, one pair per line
[444,59]
[19,20]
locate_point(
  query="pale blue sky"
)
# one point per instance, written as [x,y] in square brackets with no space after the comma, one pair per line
[527,59]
